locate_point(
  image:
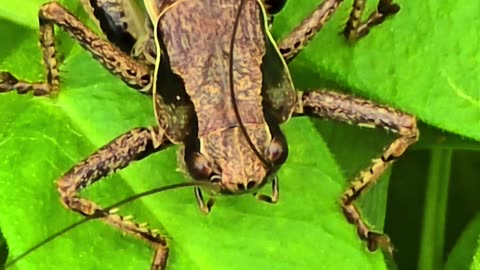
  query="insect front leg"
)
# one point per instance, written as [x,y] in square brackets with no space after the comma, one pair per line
[331,105]
[356,29]
[204,207]
[275,193]
[133,73]
[133,145]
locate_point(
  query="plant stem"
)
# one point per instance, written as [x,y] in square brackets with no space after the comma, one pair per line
[433,231]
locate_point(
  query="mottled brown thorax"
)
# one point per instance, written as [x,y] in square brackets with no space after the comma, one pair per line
[197,36]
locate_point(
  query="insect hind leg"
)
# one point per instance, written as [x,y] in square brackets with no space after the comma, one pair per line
[345,108]
[133,145]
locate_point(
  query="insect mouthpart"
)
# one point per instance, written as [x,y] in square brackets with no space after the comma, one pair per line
[250,185]
[235,188]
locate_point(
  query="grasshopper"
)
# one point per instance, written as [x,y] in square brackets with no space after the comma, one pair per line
[220,87]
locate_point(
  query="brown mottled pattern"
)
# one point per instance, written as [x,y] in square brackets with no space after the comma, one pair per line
[238,164]
[114,156]
[197,36]
[47,43]
[332,105]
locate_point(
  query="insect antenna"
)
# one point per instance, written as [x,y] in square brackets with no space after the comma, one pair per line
[106,210]
[232,88]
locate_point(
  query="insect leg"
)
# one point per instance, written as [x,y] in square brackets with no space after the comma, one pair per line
[331,105]
[207,207]
[291,45]
[133,73]
[133,145]
[275,193]
[356,29]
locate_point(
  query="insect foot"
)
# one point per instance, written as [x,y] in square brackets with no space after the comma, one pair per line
[9,83]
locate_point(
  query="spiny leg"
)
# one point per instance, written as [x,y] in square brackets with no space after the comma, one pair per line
[331,105]
[133,73]
[133,145]
[356,29]
[291,45]
[206,207]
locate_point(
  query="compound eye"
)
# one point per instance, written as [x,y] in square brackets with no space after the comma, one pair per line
[199,167]
[275,152]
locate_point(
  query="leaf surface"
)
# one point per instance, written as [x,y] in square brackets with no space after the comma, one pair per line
[42,137]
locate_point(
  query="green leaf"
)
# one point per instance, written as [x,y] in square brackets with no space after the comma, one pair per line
[42,137]
[435,138]
[433,233]
[424,61]
[11,11]
[405,62]
[467,249]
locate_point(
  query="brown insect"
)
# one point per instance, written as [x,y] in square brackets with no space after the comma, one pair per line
[220,88]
